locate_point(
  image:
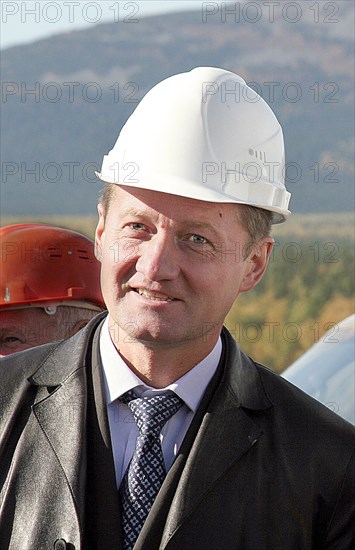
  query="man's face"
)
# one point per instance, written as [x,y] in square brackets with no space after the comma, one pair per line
[25,328]
[172,266]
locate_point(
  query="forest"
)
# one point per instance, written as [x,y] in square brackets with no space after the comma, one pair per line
[307,289]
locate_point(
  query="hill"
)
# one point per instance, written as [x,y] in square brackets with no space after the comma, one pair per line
[64,99]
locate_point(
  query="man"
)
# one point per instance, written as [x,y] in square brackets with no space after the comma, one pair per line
[50,285]
[90,424]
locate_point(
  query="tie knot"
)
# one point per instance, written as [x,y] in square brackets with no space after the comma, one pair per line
[152,413]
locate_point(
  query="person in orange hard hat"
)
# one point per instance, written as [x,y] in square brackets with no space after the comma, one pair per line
[49,284]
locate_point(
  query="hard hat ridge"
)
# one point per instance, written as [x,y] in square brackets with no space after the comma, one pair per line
[203,134]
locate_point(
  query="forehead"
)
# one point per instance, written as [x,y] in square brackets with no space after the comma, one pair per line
[19,317]
[174,207]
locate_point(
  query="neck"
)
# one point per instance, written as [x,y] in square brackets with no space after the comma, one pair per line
[157,365]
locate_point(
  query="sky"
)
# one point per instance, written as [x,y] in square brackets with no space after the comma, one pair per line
[26,21]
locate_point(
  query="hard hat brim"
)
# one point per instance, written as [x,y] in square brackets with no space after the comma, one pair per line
[275,199]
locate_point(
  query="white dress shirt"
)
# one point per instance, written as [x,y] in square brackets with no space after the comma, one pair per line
[119,379]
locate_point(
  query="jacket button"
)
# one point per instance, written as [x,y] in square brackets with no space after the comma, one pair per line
[60,544]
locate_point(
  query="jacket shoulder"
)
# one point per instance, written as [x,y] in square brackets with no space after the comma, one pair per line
[304,414]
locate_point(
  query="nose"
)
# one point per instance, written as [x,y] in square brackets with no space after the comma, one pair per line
[158,259]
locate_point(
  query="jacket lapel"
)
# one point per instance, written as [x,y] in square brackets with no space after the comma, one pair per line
[61,416]
[103,522]
[226,433]
[60,409]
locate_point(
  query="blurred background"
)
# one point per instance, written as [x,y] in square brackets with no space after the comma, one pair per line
[72,72]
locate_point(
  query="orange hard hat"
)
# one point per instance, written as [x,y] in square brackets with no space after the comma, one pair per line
[41,264]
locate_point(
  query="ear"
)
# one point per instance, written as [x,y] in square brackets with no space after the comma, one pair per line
[256,263]
[99,232]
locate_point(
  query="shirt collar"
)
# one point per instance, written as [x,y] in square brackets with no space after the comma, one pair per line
[119,378]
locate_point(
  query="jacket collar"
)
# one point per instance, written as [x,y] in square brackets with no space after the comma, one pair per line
[224,433]
[244,381]
[56,368]
[242,376]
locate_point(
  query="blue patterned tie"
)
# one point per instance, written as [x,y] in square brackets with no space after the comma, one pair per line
[146,471]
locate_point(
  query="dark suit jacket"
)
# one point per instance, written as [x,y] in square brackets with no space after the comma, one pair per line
[263,466]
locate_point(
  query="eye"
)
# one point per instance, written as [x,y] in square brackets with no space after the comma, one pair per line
[134,230]
[201,246]
[198,239]
[136,226]
[9,340]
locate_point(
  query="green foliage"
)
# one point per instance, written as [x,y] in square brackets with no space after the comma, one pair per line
[308,284]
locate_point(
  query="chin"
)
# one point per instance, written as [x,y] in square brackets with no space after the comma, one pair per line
[153,338]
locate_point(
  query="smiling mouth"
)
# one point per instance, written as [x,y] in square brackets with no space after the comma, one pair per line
[155,296]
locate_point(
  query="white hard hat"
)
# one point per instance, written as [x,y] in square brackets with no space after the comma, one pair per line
[206,135]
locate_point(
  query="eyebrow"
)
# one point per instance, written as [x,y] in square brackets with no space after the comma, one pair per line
[132,212]
[189,224]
